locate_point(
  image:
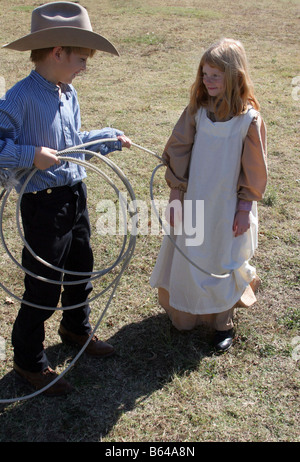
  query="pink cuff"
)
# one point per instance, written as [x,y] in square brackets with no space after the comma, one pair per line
[244,206]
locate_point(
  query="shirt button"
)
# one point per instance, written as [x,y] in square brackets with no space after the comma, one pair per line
[49,191]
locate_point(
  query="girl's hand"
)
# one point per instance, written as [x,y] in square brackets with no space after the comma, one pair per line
[241,223]
[126,142]
[45,158]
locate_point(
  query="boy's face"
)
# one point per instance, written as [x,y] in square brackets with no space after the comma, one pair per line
[71,65]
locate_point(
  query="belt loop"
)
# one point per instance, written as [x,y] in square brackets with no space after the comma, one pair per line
[75,187]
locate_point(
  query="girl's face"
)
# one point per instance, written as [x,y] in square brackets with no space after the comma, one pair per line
[214,80]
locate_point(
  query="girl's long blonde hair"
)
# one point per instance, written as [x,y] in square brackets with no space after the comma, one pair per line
[228,56]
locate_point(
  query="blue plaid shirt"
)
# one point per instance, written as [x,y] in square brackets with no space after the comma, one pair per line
[33,114]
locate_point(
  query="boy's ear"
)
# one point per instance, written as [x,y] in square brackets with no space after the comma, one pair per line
[56,53]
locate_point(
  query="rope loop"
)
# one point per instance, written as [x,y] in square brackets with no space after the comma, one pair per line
[124,257]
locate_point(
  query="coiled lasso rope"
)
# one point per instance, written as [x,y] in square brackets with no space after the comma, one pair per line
[124,256]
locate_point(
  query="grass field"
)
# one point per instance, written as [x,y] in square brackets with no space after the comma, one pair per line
[163,385]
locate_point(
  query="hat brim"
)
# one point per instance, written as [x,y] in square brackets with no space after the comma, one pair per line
[63,36]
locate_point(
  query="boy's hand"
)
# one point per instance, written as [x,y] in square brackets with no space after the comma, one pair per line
[241,223]
[126,142]
[45,158]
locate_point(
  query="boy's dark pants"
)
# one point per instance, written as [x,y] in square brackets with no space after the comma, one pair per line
[56,227]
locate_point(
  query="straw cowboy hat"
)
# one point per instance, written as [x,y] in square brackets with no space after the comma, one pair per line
[61,24]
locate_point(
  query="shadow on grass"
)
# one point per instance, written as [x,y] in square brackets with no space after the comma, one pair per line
[149,354]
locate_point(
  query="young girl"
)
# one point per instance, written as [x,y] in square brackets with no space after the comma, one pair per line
[216,154]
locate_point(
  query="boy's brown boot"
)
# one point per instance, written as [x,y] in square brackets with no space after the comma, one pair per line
[39,380]
[95,347]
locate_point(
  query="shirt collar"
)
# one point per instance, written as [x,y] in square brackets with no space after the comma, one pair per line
[65,88]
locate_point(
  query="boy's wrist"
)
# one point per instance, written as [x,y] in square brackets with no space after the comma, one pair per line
[26,156]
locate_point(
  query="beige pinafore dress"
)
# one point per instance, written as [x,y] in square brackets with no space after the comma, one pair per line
[213,176]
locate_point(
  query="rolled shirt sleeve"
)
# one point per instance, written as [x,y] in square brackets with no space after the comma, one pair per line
[104,147]
[13,155]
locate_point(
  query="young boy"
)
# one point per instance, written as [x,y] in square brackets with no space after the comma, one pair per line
[39,116]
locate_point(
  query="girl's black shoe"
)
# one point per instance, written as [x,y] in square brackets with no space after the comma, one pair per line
[223,340]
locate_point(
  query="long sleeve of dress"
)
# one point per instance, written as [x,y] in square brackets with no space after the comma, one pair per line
[253,175]
[177,152]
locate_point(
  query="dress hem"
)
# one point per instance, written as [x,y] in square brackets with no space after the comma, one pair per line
[245,299]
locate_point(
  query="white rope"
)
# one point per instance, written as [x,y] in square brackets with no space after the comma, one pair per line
[218,276]
[125,260]
[123,257]
[59,282]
